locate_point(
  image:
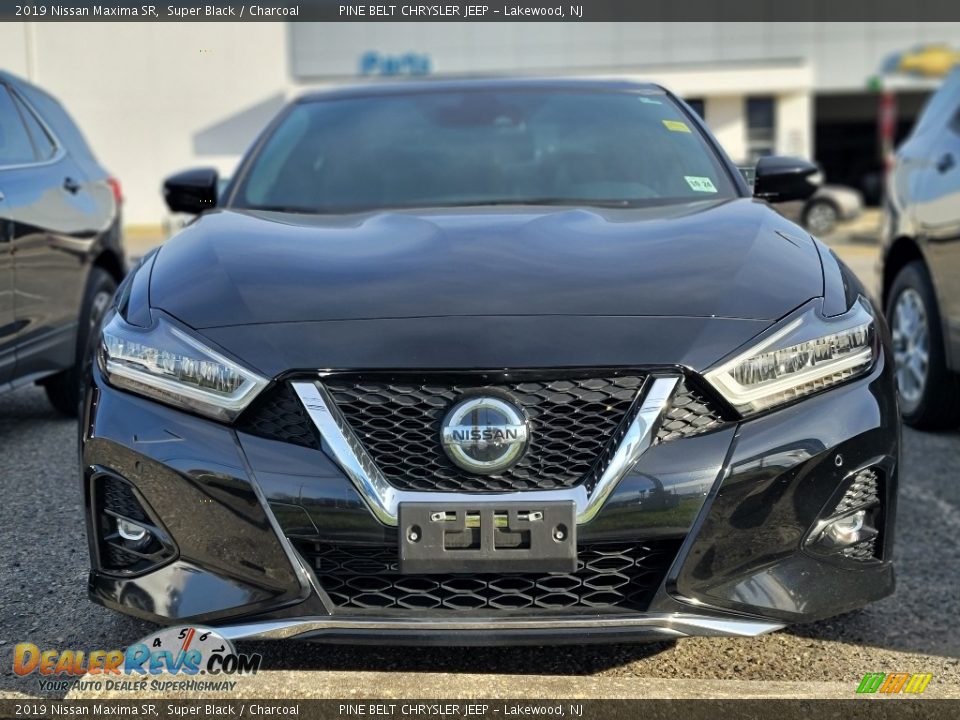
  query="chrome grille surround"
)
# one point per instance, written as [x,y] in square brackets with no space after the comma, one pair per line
[384,499]
[572,422]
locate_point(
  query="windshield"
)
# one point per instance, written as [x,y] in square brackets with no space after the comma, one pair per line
[483,147]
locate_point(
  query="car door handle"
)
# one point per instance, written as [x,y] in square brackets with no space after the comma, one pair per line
[946,162]
[71,185]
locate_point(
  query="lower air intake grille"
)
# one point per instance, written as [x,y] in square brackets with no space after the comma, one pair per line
[115,502]
[398,421]
[279,415]
[867,550]
[863,492]
[116,496]
[608,576]
[688,413]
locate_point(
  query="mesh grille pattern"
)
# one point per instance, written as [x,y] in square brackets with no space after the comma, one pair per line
[609,575]
[116,554]
[862,493]
[867,550]
[280,416]
[117,558]
[117,496]
[688,413]
[571,421]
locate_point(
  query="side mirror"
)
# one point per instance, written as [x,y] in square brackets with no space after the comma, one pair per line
[781,179]
[191,191]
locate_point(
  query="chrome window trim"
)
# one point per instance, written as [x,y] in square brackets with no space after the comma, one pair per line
[665,624]
[58,152]
[384,499]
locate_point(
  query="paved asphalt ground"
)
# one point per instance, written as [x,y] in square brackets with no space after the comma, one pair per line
[43,561]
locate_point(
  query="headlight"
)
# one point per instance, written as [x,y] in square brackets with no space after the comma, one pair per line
[165,363]
[808,354]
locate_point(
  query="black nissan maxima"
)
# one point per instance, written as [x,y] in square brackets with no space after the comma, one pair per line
[487,362]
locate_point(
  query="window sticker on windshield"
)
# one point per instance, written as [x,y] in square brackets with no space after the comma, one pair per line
[700,184]
[649,101]
[675,126]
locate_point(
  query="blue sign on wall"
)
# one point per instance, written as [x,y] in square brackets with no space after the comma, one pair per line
[374,63]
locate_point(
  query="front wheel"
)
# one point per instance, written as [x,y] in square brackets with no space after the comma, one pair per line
[821,217]
[65,389]
[929,392]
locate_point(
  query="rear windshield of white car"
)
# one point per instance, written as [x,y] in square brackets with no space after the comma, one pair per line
[483,147]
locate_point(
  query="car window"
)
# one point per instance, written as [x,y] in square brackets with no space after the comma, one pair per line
[943,107]
[479,147]
[42,142]
[15,145]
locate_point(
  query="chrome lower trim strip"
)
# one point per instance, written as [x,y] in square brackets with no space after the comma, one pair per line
[666,624]
[384,499]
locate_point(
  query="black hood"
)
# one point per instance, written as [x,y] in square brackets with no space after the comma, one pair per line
[735,259]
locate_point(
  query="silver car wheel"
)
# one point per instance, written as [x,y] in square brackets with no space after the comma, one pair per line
[821,218]
[911,346]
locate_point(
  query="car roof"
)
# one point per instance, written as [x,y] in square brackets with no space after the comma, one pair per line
[407,87]
[64,128]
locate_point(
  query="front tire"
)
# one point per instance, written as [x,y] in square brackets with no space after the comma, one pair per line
[65,389]
[929,392]
[821,217]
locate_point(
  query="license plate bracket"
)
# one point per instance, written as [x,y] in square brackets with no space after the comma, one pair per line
[480,537]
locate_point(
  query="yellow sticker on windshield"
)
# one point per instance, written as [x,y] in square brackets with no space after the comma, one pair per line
[675,126]
[700,184]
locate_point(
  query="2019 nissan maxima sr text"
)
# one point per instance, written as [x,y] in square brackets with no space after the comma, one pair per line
[490,362]
[61,255]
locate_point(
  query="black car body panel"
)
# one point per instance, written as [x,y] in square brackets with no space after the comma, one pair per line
[220,270]
[523,341]
[603,327]
[58,218]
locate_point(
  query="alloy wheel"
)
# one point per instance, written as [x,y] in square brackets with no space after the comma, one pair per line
[911,345]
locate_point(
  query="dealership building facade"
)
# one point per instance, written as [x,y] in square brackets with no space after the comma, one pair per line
[154,98]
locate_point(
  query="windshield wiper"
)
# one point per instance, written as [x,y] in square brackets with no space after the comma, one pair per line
[552,201]
[283,209]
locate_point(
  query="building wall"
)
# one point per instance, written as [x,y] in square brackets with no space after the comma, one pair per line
[794,124]
[843,55]
[154,98]
[724,115]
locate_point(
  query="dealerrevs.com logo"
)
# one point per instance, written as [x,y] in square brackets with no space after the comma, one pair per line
[180,651]
[893,683]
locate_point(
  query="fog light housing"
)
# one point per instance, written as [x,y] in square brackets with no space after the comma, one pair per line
[129,539]
[131,531]
[849,527]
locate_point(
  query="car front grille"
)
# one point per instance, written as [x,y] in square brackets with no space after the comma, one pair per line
[279,415]
[576,424]
[572,421]
[689,412]
[609,576]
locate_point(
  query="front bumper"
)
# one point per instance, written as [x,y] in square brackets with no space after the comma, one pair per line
[239,512]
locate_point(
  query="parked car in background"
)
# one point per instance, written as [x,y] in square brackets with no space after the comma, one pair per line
[490,362]
[829,205]
[921,263]
[61,255]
